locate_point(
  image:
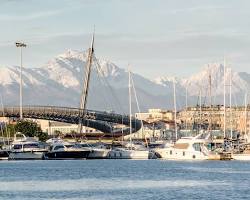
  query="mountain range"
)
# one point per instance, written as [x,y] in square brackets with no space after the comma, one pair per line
[59,82]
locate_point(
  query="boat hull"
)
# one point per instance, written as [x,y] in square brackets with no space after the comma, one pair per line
[179,154]
[128,154]
[98,154]
[66,155]
[241,156]
[4,155]
[26,155]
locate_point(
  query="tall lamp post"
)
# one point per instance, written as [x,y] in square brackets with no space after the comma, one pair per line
[21,45]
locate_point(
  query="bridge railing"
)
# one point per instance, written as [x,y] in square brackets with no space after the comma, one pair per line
[61,110]
[71,115]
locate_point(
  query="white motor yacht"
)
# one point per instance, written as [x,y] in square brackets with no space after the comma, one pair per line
[26,148]
[186,148]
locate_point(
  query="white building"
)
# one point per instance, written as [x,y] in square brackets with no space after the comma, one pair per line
[52,127]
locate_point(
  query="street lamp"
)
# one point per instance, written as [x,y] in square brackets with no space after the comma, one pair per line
[21,45]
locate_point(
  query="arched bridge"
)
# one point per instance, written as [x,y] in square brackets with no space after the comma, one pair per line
[103,121]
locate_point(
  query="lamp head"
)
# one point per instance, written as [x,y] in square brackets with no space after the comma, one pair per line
[20,44]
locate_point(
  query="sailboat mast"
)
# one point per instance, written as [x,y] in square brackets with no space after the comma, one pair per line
[230,104]
[186,105]
[200,108]
[130,108]
[245,114]
[210,97]
[224,130]
[175,112]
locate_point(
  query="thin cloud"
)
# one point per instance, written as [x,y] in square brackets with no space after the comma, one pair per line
[195,9]
[31,16]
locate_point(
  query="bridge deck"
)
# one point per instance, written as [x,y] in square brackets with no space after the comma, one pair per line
[103,121]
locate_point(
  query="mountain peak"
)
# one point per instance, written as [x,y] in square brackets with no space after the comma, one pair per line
[75,54]
[108,68]
[166,80]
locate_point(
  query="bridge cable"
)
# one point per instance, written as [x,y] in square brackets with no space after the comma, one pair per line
[107,83]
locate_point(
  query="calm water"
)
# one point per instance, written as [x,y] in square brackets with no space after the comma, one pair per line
[124,179]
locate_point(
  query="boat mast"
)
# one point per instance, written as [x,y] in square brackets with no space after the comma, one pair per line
[130,108]
[186,105]
[246,114]
[139,110]
[230,104]
[224,130]
[84,94]
[210,97]
[200,108]
[175,112]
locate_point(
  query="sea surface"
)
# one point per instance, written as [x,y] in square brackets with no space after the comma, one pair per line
[124,179]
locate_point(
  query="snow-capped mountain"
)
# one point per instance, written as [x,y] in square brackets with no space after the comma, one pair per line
[59,82]
[200,82]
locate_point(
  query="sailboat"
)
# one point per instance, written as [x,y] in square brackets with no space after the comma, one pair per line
[129,152]
[243,152]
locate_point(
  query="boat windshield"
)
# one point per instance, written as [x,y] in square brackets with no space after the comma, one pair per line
[17,146]
[58,147]
[69,145]
[197,146]
[31,145]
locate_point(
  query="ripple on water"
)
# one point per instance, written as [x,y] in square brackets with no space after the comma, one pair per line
[123,179]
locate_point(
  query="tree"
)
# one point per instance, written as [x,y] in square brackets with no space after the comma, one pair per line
[31,129]
[28,128]
[42,136]
[8,130]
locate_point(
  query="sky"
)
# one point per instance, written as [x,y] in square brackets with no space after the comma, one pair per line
[157,38]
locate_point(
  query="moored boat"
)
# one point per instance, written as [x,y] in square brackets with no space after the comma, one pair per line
[97,150]
[24,148]
[65,151]
[4,154]
[188,148]
[121,153]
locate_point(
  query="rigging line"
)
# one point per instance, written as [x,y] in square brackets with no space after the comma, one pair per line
[206,95]
[109,86]
[137,103]
[6,129]
[109,103]
[1,123]
[103,83]
[136,99]
[139,110]
[234,95]
[100,81]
